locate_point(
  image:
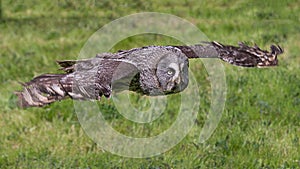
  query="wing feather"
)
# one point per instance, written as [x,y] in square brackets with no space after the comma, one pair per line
[242,55]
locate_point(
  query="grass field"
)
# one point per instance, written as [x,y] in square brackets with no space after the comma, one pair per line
[260,126]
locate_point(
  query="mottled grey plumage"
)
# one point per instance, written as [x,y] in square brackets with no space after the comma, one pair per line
[153,70]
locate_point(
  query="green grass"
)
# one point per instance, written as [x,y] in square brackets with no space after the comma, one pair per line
[260,126]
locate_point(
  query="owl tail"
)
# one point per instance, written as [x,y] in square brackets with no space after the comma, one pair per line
[42,90]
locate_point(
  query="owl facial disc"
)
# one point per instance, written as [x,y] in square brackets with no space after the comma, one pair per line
[172,73]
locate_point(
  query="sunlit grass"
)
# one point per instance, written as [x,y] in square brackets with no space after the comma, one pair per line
[260,125]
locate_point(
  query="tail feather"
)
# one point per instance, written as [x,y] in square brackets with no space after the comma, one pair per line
[41,91]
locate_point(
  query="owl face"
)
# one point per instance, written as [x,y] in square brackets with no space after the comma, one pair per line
[172,73]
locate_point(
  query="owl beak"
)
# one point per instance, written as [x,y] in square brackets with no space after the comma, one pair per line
[181,83]
[176,83]
[177,80]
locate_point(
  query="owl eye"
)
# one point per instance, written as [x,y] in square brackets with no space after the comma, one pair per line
[170,72]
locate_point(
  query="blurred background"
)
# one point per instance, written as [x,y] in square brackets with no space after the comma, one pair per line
[261,122]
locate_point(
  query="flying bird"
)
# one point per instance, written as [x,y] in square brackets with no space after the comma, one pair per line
[151,70]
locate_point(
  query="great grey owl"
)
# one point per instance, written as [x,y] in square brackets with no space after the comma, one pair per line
[152,70]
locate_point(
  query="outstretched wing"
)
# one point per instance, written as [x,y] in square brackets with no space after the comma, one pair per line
[242,55]
[96,77]
[84,79]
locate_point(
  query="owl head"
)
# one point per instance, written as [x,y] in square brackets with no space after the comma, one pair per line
[172,72]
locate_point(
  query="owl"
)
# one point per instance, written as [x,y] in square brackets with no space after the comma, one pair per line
[151,70]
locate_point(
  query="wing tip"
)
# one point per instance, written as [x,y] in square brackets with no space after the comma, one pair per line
[276,49]
[21,101]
